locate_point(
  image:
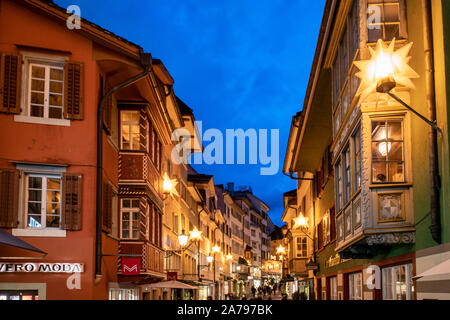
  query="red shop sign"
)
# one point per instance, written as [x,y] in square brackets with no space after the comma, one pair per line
[131,266]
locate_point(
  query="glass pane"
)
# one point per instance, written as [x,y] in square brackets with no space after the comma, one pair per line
[396,172]
[53,208]
[53,196]
[391,31]
[125,233]
[391,13]
[380,150]
[34,208]
[135,234]
[37,111]
[55,100]
[378,130]
[125,216]
[125,225]
[395,130]
[135,218]
[130,116]
[136,144]
[34,221]
[374,33]
[135,203]
[53,184]
[56,86]
[35,182]
[125,137]
[34,195]
[37,98]
[38,72]
[56,74]
[55,113]
[379,172]
[395,150]
[52,221]
[126,203]
[37,85]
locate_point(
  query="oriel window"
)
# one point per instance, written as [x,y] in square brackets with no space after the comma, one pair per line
[384,20]
[130,219]
[130,134]
[388,164]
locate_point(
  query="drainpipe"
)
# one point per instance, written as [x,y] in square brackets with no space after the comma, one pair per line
[146,62]
[435,227]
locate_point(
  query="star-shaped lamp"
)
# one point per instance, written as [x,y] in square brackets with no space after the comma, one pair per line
[169,185]
[300,221]
[195,234]
[386,68]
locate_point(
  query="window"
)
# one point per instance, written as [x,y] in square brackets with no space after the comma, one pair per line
[338,185]
[347,174]
[384,20]
[333,288]
[397,282]
[355,286]
[326,229]
[123,294]
[45,96]
[357,159]
[301,247]
[129,218]
[129,121]
[43,201]
[388,164]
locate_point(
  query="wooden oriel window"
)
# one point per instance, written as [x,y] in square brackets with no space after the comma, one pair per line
[130,130]
[129,218]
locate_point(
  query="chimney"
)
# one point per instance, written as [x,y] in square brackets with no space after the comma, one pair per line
[230,186]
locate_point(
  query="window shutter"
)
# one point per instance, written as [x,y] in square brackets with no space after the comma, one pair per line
[320,235]
[9,198]
[71,201]
[73,90]
[333,223]
[10,66]
[107,194]
[143,130]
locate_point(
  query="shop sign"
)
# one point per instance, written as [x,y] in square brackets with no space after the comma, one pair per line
[172,276]
[131,266]
[334,261]
[59,267]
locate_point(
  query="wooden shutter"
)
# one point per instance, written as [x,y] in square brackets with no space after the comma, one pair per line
[143,130]
[320,235]
[9,198]
[10,66]
[71,201]
[333,223]
[107,195]
[73,90]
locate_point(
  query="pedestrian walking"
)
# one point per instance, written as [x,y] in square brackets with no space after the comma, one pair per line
[253,291]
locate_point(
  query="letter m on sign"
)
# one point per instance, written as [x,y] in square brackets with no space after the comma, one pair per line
[131,266]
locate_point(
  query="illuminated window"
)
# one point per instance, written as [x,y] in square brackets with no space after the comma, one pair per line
[357,159]
[302,247]
[397,282]
[129,218]
[130,132]
[388,165]
[384,20]
[355,286]
[43,201]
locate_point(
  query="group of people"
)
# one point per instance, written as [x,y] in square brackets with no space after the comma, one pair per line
[266,290]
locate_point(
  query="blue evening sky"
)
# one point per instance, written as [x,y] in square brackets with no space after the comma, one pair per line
[237,63]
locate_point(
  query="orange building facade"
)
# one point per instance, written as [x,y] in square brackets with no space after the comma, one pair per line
[52,79]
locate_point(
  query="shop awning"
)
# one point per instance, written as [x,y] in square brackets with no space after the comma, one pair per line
[7,240]
[172,284]
[439,270]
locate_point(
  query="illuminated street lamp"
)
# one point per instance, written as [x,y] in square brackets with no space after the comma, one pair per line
[384,71]
[183,239]
[300,221]
[281,250]
[169,186]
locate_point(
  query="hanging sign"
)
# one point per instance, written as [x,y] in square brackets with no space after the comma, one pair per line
[131,266]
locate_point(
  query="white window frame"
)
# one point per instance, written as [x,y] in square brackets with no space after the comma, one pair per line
[131,210]
[45,178]
[303,242]
[355,286]
[44,59]
[392,287]
[129,124]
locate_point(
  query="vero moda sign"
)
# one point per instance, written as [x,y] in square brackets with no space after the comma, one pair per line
[131,266]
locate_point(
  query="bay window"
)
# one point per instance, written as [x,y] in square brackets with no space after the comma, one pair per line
[357,159]
[130,130]
[301,247]
[385,20]
[347,174]
[129,219]
[388,161]
[338,186]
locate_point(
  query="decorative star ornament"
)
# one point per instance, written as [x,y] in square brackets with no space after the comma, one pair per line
[384,63]
[169,185]
[195,234]
[300,221]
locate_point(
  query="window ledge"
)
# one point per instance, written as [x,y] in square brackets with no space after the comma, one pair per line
[39,120]
[390,185]
[57,233]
